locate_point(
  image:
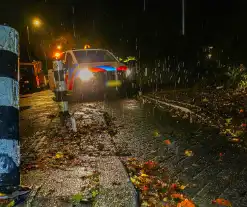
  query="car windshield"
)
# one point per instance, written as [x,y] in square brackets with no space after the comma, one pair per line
[86,56]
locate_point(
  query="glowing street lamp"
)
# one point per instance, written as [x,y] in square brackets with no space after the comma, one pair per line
[36,22]
[59,47]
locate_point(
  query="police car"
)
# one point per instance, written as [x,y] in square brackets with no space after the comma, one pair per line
[93,71]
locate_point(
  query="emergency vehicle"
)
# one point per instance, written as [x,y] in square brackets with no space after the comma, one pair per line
[93,71]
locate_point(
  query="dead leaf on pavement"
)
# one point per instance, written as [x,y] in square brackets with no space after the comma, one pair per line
[222,202]
[188,153]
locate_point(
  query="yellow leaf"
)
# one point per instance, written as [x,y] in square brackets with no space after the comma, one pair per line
[59,155]
[156,134]
[133,180]
[165,199]
[182,187]
[144,175]
[188,153]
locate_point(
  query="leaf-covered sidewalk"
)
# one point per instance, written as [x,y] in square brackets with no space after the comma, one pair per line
[157,188]
[225,109]
[68,168]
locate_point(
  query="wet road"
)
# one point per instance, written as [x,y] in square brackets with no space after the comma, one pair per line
[208,174]
[217,169]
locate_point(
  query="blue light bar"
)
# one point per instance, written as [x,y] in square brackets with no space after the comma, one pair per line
[106,67]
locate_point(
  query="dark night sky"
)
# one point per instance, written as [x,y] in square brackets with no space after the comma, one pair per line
[221,23]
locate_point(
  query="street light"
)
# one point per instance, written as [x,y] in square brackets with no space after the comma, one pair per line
[59,47]
[36,22]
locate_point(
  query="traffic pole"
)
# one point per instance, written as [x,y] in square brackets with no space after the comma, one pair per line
[61,93]
[61,88]
[9,114]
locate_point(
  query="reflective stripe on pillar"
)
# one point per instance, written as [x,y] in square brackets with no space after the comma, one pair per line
[9,109]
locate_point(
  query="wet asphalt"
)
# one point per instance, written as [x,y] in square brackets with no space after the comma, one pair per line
[216,170]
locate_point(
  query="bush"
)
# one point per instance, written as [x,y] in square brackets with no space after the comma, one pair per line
[236,75]
[243,82]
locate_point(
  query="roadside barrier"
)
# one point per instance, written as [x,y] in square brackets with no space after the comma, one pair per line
[61,93]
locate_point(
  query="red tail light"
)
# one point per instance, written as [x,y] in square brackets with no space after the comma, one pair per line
[96,70]
[122,68]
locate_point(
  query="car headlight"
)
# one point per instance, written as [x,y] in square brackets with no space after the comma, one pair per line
[85,75]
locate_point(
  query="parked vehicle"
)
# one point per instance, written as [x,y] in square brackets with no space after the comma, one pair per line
[32,77]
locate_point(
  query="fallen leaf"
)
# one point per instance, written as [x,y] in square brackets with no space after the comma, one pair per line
[188,153]
[167,142]
[77,198]
[95,193]
[182,187]
[144,204]
[156,134]
[59,155]
[144,175]
[134,181]
[178,195]
[145,188]
[186,203]
[150,164]
[222,202]
[174,186]
[165,199]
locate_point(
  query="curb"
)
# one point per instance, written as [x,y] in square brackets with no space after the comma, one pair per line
[182,108]
[126,183]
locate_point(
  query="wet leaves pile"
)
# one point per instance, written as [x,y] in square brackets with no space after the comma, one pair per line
[155,186]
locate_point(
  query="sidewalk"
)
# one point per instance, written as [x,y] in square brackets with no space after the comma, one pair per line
[66,168]
[223,109]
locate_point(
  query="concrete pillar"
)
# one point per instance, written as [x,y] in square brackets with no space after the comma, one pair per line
[9,110]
